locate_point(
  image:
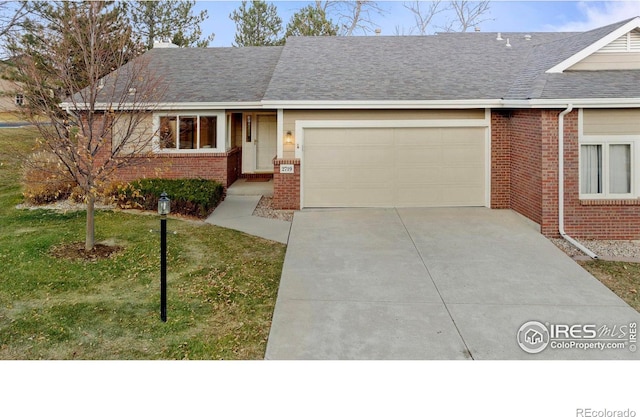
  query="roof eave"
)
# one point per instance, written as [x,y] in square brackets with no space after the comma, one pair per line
[381,104]
[178,106]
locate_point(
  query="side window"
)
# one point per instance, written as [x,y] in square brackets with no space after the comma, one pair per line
[188,132]
[606,169]
[168,132]
[591,169]
[620,169]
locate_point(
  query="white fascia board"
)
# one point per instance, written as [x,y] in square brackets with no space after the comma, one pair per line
[431,104]
[594,47]
[381,104]
[209,105]
[173,106]
[586,103]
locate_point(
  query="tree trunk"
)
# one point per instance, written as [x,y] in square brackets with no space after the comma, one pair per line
[89,241]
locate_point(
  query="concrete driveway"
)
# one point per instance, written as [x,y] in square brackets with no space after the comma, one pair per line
[455,283]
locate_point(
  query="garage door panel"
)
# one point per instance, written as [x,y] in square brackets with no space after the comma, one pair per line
[462,196]
[369,137]
[462,154]
[328,157]
[461,135]
[418,175]
[368,157]
[315,177]
[386,167]
[371,176]
[424,155]
[325,137]
[463,175]
[417,136]
[371,197]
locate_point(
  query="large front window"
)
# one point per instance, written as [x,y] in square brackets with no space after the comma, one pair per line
[188,132]
[606,169]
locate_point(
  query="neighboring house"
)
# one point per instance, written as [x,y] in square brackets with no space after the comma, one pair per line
[454,119]
[11,98]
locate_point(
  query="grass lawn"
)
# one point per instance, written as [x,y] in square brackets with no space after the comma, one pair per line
[623,278]
[222,284]
[10,117]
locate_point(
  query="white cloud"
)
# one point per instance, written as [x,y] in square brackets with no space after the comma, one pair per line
[597,14]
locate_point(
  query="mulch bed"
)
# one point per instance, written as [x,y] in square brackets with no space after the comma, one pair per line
[75,251]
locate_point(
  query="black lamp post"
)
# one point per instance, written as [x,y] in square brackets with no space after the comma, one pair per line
[164,208]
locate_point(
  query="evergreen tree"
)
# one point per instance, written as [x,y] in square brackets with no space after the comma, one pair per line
[257,24]
[170,20]
[311,21]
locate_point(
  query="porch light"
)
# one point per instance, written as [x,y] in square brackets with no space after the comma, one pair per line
[164,204]
[288,139]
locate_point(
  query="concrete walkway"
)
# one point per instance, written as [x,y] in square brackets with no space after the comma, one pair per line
[236,212]
[430,284]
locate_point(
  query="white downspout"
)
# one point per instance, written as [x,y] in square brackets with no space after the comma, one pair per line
[561,186]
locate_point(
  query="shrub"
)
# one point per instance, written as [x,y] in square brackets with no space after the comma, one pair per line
[193,197]
[45,180]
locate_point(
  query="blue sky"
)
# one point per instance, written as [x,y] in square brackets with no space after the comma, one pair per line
[506,16]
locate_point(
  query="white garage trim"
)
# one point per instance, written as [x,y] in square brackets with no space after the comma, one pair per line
[301,125]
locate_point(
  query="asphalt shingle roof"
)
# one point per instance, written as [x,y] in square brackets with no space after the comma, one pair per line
[213,74]
[450,66]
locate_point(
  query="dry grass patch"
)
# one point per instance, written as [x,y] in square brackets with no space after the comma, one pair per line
[623,278]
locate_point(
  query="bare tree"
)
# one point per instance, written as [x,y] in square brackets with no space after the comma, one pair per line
[11,12]
[402,31]
[356,17]
[93,131]
[423,14]
[459,16]
[468,14]
[352,16]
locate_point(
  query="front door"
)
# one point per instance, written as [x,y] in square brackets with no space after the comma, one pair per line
[259,146]
[265,142]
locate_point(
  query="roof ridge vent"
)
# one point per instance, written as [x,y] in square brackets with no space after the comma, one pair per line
[508,45]
[499,37]
[527,37]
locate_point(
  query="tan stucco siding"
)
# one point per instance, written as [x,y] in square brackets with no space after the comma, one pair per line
[608,61]
[140,139]
[291,116]
[611,122]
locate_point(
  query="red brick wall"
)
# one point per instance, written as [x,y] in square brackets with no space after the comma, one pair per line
[532,136]
[516,153]
[593,219]
[286,187]
[222,167]
[549,141]
[526,154]
[500,161]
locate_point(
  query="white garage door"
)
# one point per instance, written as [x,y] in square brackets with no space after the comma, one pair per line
[394,167]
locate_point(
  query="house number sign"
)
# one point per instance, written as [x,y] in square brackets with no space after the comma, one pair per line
[286,169]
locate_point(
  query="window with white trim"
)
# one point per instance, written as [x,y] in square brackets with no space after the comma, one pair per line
[19,99]
[607,168]
[182,132]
